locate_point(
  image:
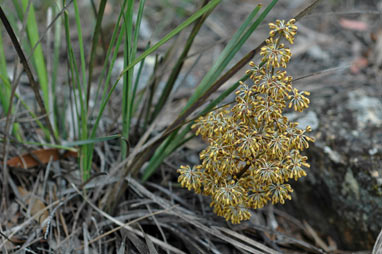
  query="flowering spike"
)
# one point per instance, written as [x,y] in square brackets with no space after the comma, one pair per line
[254,150]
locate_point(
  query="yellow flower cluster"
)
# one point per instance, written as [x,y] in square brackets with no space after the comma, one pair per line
[253,148]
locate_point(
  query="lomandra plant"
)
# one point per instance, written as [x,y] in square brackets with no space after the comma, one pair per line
[254,150]
[73,107]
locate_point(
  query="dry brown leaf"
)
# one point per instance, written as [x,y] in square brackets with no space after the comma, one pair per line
[42,157]
[354,24]
[35,205]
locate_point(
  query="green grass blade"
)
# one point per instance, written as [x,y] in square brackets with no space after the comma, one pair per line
[73,74]
[225,57]
[127,77]
[157,158]
[107,67]
[38,56]
[15,25]
[178,66]
[86,150]
[80,42]
[136,83]
[91,140]
[81,109]
[96,33]
[5,89]
[152,87]
[160,154]
[251,29]
[171,34]
[137,27]
[55,65]
[70,145]
[63,147]
[134,52]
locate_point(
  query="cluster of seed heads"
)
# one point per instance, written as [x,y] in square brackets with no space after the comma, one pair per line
[254,150]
